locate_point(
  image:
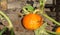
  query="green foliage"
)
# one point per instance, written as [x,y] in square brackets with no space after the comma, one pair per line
[42,30]
[3,30]
[10,26]
[29,8]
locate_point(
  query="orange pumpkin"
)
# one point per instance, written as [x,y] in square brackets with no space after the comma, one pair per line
[58,30]
[32,21]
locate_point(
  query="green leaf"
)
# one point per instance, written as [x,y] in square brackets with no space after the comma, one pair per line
[42,30]
[3,30]
[29,8]
[12,32]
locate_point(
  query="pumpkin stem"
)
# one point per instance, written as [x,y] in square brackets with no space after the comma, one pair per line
[25,11]
[37,10]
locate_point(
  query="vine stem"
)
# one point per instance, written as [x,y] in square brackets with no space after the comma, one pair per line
[51,19]
[10,26]
[42,5]
[52,32]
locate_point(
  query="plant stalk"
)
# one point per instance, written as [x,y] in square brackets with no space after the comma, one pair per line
[11,32]
[10,26]
[7,18]
[52,32]
[51,19]
[42,5]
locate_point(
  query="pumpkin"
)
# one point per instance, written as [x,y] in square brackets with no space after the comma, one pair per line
[32,21]
[58,30]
